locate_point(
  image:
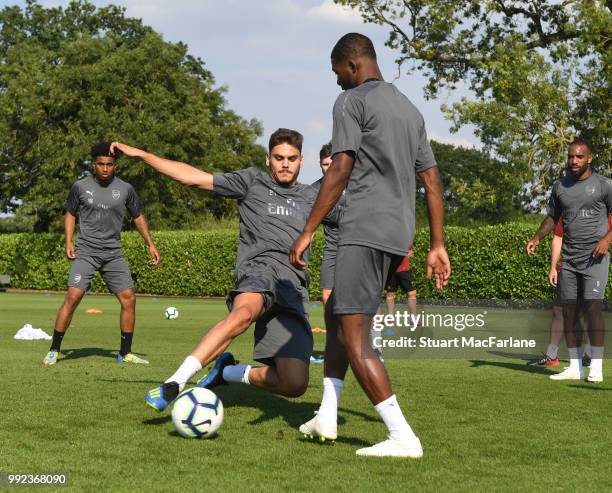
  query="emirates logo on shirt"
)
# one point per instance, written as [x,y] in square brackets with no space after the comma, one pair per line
[116,194]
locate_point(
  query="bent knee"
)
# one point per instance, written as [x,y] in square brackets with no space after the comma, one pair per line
[295,388]
[241,318]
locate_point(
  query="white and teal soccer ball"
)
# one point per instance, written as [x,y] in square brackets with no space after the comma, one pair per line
[197,413]
[171,313]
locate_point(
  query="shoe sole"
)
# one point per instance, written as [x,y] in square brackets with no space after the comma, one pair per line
[319,438]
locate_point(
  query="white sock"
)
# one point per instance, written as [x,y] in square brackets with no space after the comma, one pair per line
[237,373]
[188,369]
[332,388]
[392,415]
[552,351]
[575,358]
[596,360]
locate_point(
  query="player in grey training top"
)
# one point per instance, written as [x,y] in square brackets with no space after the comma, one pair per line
[273,208]
[584,199]
[331,233]
[100,202]
[378,145]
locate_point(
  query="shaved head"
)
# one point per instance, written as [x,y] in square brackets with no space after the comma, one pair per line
[353,45]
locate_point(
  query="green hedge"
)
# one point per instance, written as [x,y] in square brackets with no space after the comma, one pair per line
[488,263]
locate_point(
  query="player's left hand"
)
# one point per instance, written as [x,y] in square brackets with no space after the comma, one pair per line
[155,257]
[297,250]
[438,265]
[601,248]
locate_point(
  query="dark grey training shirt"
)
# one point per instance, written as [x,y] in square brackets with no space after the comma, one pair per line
[387,134]
[330,231]
[101,210]
[585,205]
[271,216]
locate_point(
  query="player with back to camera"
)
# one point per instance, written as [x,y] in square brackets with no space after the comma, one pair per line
[269,291]
[584,198]
[379,144]
[100,201]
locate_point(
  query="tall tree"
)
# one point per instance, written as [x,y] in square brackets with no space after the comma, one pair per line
[72,76]
[539,73]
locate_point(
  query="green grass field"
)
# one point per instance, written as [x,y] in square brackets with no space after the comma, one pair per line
[494,425]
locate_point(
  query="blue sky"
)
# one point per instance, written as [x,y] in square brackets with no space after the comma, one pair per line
[273,57]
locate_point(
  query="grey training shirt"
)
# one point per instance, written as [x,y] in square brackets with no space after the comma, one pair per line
[585,205]
[272,216]
[101,210]
[330,231]
[386,132]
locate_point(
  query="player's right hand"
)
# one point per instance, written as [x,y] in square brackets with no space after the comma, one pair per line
[126,149]
[70,251]
[438,265]
[532,245]
[297,250]
[552,277]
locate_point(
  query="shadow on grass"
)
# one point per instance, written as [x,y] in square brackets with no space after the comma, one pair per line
[271,406]
[86,352]
[591,386]
[477,363]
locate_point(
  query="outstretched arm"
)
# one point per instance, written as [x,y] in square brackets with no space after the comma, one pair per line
[334,182]
[438,263]
[548,224]
[143,228]
[182,172]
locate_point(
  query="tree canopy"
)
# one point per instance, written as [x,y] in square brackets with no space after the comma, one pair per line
[70,77]
[538,73]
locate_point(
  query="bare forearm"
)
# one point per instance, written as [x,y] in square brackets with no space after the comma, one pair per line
[182,172]
[435,205]
[69,227]
[143,228]
[555,251]
[548,224]
[333,184]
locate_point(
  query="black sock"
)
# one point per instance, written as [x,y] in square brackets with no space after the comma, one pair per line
[126,343]
[57,341]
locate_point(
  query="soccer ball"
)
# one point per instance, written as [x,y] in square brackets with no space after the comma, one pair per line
[197,413]
[171,313]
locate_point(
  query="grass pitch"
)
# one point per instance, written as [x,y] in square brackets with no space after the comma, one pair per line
[493,425]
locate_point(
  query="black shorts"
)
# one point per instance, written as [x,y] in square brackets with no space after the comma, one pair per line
[401,279]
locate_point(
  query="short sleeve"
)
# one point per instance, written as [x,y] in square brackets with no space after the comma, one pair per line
[559,227]
[348,117]
[72,202]
[554,207]
[234,184]
[424,157]
[133,204]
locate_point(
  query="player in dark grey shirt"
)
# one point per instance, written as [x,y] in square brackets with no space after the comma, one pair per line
[100,202]
[584,199]
[269,291]
[330,231]
[379,144]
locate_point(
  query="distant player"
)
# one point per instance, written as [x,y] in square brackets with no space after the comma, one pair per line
[100,202]
[379,144]
[328,263]
[584,199]
[273,208]
[402,278]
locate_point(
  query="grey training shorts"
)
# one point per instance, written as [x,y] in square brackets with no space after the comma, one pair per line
[361,274]
[283,331]
[111,265]
[585,280]
[328,267]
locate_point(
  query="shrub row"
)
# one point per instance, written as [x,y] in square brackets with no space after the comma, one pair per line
[488,262]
